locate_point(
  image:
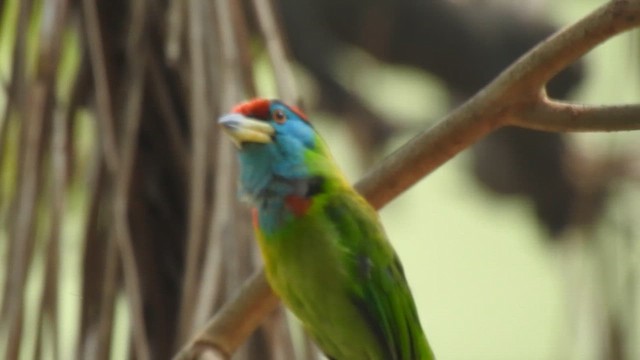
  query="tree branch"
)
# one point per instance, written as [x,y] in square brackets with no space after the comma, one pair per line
[507,100]
[535,68]
[234,322]
[559,116]
[513,98]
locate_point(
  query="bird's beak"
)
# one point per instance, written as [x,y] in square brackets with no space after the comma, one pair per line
[242,129]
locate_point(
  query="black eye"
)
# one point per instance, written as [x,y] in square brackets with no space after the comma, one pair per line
[279,116]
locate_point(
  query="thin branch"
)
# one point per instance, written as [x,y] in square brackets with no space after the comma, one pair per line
[49,56]
[169,115]
[199,138]
[513,98]
[230,56]
[16,94]
[23,232]
[99,277]
[244,38]
[175,30]
[220,219]
[36,106]
[122,234]
[499,103]
[559,116]
[212,273]
[100,77]
[103,330]
[535,68]
[236,244]
[48,308]
[203,344]
[224,332]
[279,332]
[279,60]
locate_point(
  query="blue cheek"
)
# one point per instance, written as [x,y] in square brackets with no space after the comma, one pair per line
[293,139]
[291,163]
[298,130]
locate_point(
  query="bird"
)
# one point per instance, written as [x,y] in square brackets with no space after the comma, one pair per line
[325,251]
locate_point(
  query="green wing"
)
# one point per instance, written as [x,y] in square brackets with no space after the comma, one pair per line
[379,289]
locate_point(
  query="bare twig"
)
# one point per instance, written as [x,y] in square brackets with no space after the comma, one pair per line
[244,38]
[279,60]
[49,56]
[36,105]
[220,217]
[207,287]
[16,91]
[175,30]
[513,98]
[23,234]
[101,81]
[48,315]
[278,331]
[122,232]
[230,56]
[99,273]
[213,266]
[550,115]
[109,291]
[224,333]
[137,54]
[235,51]
[200,137]
[169,115]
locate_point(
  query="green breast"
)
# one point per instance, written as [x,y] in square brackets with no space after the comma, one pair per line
[305,266]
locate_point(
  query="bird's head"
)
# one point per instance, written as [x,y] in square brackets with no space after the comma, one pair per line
[277,147]
[263,121]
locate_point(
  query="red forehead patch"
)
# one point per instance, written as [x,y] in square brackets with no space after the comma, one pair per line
[259,108]
[256,108]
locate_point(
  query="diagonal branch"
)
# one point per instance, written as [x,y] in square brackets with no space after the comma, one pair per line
[513,98]
[504,101]
[224,333]
[535,68]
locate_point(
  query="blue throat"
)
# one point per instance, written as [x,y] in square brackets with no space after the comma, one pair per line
[267,176]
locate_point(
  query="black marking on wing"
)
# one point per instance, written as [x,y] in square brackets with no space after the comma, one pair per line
[315,186]
[357,229]
[305,187]
[380,291]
